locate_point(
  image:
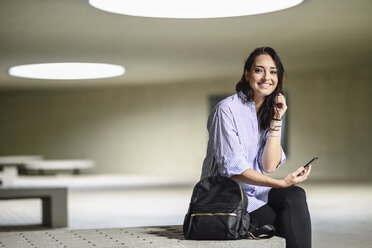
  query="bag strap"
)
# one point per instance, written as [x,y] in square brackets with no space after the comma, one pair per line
[262,232]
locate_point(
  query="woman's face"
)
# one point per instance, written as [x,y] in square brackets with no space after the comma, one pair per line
[263,76]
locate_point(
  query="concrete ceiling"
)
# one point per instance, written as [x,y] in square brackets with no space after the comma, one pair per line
[316,35]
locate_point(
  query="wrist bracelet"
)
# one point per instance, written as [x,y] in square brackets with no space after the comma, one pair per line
[270,135]
[275,128]
[273,135]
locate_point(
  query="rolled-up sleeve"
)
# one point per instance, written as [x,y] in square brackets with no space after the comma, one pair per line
[227,148]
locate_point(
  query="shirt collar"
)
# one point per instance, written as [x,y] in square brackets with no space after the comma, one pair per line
[243,97]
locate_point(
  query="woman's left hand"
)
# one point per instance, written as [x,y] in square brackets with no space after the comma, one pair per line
[300,175]
[280,106]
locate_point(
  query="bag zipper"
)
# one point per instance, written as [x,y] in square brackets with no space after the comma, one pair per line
[211,214]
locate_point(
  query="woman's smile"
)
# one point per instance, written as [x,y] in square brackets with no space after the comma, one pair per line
[264,85]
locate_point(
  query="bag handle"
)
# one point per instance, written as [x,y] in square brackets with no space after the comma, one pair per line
[263,232]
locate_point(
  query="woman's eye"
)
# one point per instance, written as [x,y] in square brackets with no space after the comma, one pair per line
[273,72]
[257,70]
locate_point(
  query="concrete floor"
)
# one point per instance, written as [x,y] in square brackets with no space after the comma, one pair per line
[341,212]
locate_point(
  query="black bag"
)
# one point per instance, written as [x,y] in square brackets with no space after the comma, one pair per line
[218,211]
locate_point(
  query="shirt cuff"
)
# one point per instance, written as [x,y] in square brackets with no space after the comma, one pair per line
[233,166]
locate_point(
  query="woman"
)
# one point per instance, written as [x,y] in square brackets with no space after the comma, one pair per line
[244,143]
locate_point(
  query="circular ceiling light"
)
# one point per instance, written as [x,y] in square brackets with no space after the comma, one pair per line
[192,8]
[67,71]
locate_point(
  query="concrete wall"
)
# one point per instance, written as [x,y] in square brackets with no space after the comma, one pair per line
[330,118]
[148,130]
[161,129]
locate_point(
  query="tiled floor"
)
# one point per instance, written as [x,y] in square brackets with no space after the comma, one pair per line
[341,212]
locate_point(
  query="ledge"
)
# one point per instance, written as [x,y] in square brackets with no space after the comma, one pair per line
[158,236]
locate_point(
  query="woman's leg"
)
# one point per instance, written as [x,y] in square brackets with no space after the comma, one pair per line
[265,215]
[293,219]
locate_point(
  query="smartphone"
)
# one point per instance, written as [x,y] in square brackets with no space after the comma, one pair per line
[312,161]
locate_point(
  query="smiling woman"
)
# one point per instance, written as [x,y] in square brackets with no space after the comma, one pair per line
[67,71]
[192,8]
[244,144]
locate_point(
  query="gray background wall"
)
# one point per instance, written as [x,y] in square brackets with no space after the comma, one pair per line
[161,129]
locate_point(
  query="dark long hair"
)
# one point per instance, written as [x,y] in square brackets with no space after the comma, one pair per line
[267,111]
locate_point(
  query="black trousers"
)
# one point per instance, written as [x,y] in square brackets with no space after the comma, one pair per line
[287,210]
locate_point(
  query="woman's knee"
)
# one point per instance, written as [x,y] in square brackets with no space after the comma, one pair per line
[284,197]
[295,194]
[297,191]
[289,193]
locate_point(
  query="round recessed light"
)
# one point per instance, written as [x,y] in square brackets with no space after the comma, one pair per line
[192,8]
[67,71]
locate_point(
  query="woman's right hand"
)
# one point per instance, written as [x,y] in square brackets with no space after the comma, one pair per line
[296,177]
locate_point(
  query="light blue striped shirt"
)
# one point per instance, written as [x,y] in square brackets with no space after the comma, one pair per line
[236,144]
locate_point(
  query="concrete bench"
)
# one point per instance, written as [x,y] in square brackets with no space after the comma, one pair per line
[43,166]
[54,202]
[9,166]
[137,237]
